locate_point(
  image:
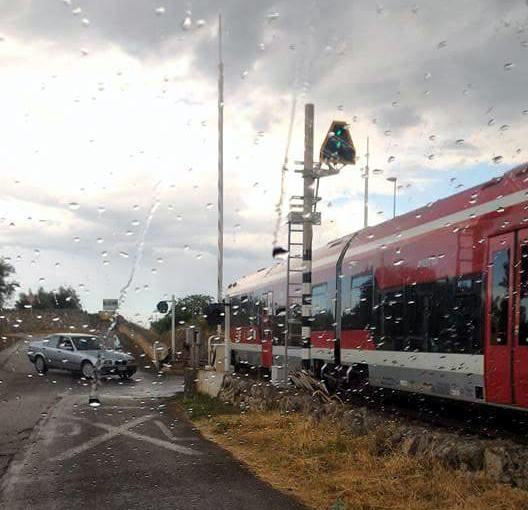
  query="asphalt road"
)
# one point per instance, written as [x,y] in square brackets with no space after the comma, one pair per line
[61,454]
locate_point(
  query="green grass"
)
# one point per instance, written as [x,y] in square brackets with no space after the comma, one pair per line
[202,406]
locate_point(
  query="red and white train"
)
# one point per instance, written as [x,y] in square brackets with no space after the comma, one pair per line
[434,301]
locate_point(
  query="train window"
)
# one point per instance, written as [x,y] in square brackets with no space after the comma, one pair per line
[393,328]
[500,284]
[523,297]
[320,307]
[358,303]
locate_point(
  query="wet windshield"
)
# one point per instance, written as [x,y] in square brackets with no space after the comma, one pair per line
[264,254]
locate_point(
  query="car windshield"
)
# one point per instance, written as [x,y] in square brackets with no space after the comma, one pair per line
[295,228]
[88,343]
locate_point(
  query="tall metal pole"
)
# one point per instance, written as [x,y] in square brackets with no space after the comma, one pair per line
[308,194]
[220,163]
[365,215]
[220,281]
[173,329]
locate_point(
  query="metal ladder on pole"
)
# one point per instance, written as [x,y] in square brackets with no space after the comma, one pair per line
[294,281]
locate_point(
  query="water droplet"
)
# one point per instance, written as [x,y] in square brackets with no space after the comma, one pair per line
[394,104]
[442,44]
[432,138]
[160,11]
[135,223]
[427,76]
[377,171]
[200,23]
[279,253]
[243,74]
[272,16]
[524,44]
[123,254]
[76,11]
[460,141]
[509,66]
[85,22]
[76,239]
[199,256]
[94,402]
[187,21]
[104,254]
[430,157]
[101,210]
[208,205]
[391,159]
[398,262]
[129,233]
[100,240]
[387,132]
[57,264]
[497,159]
[135,207]
[262,47]
[73,206]
[159,260]
[186,247]
[525,112]
[504,127]
[491,122]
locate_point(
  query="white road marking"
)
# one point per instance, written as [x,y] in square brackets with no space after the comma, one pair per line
[97,440]
[123,430]
[164,429]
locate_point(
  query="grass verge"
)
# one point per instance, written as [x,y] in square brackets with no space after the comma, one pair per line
[328,469]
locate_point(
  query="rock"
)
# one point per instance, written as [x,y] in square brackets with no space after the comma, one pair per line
[495,462]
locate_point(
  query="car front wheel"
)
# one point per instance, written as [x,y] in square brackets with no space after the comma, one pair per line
[40,365]
[87,370]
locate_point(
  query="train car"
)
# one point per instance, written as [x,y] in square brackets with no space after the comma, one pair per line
[433,301]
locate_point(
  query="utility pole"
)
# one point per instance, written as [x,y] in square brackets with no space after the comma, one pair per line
[173,329]
[220,282]
[308,201]
[220,163]
[365,215]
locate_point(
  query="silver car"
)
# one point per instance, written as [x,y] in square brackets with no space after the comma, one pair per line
[79,353]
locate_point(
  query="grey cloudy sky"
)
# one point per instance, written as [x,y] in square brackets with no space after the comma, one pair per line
[109,113]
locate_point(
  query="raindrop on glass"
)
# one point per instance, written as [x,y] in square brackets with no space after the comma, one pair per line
[73,206]
[123,254]
[497,159]
[442,44]
[200,23]
[85,22]
[187,22]
[279,253]
[391,159]
[160,10]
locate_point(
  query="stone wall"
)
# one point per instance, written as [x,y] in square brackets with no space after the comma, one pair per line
[502,460]
[48,321]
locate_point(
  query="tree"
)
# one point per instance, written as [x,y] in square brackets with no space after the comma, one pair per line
[7,288]
[64,298]
[186,310]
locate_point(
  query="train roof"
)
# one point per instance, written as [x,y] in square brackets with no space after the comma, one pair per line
[510,182]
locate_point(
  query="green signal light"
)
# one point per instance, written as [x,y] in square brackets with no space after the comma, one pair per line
[339,133]
[338,144]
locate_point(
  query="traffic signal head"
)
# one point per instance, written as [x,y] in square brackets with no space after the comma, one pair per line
[338,146]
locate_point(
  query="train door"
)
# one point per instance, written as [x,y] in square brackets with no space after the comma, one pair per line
[520,331]
[498,352]
[266,321]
